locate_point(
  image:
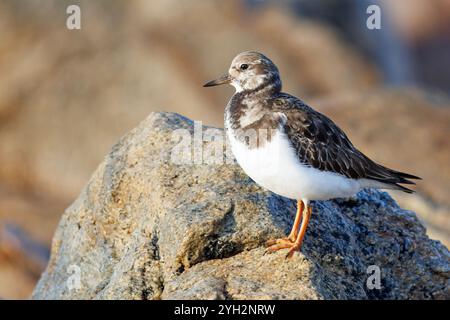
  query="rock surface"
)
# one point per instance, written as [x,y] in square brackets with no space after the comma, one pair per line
[147,228]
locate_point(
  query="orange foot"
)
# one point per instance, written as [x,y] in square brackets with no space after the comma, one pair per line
[286,240]
[295,247]
[294,241]
[283,243]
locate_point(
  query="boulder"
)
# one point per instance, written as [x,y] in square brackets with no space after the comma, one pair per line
[153,225]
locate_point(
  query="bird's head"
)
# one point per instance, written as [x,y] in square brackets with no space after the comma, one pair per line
[250,71]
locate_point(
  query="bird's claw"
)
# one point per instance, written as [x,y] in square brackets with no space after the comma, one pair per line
[291,251]
[272,242]
[283,243]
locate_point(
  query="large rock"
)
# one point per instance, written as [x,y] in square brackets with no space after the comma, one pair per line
[146,227]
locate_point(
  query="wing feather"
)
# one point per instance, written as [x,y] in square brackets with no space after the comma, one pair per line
[321,144]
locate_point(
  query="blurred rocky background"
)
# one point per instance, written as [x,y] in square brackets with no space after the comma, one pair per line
[67,95]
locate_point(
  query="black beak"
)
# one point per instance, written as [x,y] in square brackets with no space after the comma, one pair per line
[222,80]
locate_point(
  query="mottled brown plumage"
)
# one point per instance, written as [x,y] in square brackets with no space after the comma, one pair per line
[321,144]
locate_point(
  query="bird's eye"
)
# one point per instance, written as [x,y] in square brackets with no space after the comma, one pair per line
[243,66]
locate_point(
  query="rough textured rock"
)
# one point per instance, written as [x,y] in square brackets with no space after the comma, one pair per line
[146,228]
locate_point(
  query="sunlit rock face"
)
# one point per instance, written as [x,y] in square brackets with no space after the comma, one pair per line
[145,227]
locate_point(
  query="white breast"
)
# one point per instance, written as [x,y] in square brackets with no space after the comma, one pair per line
[275,166]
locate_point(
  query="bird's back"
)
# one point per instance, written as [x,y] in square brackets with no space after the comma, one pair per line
[321,144]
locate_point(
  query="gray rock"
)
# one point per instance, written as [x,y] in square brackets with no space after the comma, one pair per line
[145,227]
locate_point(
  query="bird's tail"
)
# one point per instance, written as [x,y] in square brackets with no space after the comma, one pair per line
[395,179]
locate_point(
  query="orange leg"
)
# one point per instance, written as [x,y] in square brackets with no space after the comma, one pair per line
[282,243]
[298,242]
[298,218]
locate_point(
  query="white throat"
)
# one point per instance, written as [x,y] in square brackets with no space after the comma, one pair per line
[237,86]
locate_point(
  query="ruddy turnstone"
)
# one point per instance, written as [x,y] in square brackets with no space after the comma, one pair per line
[289,148]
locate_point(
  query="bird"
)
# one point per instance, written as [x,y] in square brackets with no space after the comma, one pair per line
[289,148]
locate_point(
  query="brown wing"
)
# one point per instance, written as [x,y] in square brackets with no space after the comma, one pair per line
[321,144]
